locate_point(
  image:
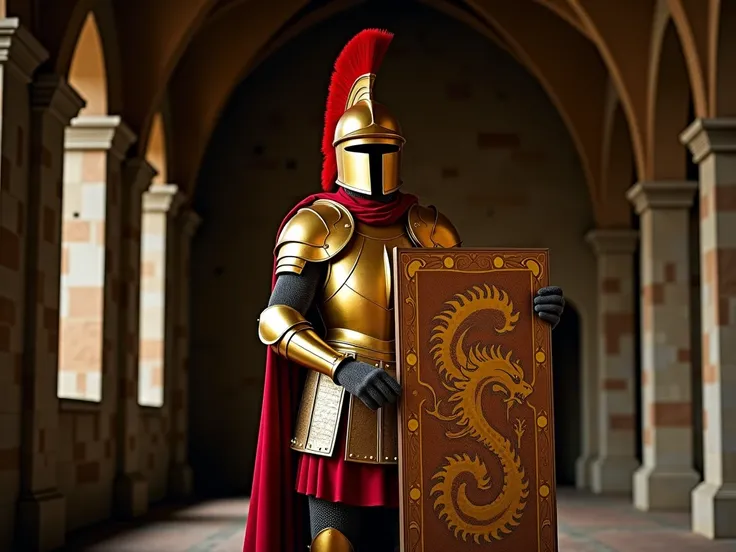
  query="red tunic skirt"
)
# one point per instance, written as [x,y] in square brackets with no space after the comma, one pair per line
[336,480]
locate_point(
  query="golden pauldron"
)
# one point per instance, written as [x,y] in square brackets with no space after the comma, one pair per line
[294,338]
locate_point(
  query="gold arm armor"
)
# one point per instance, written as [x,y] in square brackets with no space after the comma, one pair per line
[331,540]
[294,338]
[427,227]
[314,234]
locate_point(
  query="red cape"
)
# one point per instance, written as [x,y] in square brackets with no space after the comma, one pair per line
[277,513]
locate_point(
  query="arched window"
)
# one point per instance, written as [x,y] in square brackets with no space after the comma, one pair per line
[83,234]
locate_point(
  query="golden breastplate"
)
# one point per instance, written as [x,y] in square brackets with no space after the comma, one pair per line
[356,305]
[356,302]
[357,308]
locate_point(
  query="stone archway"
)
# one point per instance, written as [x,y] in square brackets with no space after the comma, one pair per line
[567,341]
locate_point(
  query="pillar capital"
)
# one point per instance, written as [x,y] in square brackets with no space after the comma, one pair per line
[19,49]
[606,241]
[99,132]
[664,194]
[139,173]
[163,198]
[706,136]
[53,94]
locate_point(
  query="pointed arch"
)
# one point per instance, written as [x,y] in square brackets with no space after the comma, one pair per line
[626,56]
[669,101]
[156,151]
[618,163]
[88,72]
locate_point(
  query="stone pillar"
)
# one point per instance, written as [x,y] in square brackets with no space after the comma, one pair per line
[20,55]
[160,204]
[666,478]
[588,408]
[612,471]
[131,487]
[95,148]
[713,145]
[180,475]
[42,507]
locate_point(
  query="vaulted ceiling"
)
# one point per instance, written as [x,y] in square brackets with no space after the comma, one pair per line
[606,65]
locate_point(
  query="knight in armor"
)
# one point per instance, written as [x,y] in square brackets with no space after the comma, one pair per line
[328,442]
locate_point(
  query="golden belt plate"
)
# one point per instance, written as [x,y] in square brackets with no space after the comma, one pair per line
[476,443]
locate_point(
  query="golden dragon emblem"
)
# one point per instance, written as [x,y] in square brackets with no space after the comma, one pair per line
[468,372]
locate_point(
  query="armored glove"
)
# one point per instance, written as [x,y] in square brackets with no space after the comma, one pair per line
[549,304]
[372,386]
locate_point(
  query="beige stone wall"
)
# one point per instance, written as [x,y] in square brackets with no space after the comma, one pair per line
[484,144]
[82,275]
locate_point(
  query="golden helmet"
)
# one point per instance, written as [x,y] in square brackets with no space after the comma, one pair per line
[363,141]
[368,143]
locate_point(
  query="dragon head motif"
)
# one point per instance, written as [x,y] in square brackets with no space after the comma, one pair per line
[504,375]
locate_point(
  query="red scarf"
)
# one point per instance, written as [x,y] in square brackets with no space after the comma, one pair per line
[276,512]
[370,211]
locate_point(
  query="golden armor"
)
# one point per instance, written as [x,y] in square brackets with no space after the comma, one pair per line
[356,306]
[367,124]
[331,540]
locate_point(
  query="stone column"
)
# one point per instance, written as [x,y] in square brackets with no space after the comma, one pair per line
[20,55]
[131,487]
[42,507]
[588,408]
[180,475]
[95,149]
[160,204]
[612,471]
[713,145]
[666,478]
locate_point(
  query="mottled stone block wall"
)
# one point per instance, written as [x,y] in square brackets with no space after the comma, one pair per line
[713,145]
[666,477]
[83,275]
[616,462]
[186,224]
[131,486]
[86,463]
[14,159]
[155,451]
[87,468]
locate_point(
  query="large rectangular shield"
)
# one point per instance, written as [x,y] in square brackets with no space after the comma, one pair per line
[476,443]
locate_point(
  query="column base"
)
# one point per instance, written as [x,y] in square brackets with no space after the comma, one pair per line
[131,495]
[583,466]
[42,521]
[180,481]
[714,510]
[659,489]
[613,474]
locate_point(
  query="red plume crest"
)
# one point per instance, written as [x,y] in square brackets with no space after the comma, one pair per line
[363,54]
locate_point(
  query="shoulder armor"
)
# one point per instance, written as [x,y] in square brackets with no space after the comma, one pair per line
[314,234]
[428,227]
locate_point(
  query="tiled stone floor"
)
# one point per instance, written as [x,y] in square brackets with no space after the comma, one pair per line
[587,524]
